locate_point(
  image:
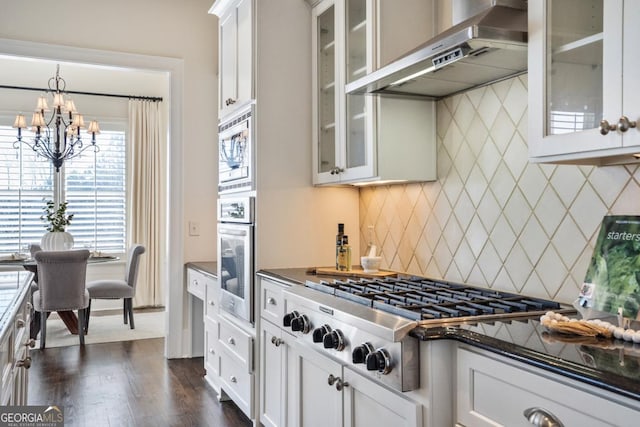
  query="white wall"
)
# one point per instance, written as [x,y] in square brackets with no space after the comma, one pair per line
[160,35]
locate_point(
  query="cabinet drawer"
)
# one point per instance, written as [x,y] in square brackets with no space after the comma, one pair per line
[272,301]
[491,392]
[6,368]
[22,322]
[212,298]
[196,282]
[237,343]
[237,382]
[212,347]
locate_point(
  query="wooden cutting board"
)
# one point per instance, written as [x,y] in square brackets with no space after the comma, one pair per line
[355,272]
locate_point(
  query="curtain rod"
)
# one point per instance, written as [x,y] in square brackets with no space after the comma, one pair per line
[111,95]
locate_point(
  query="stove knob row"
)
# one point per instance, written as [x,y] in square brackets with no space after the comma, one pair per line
[297,322]
[301,324]
[286,320]
[334,339]
[360,353]
[319,333]
[379,361]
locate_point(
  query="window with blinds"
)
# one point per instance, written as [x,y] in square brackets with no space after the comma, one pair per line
[94,185]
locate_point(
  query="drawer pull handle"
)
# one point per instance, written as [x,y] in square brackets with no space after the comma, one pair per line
[277,341]
[231,341]
[271,301]
[24,363]
[541,418]
[624,124]
[31,343]
[233,379]
[606,127]
[341,384]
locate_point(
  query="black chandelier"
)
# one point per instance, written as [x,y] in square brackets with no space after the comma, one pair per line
[57,139]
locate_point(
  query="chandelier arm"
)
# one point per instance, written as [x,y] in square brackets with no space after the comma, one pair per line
[96,149]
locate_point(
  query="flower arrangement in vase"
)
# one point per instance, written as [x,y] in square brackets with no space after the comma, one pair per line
[57,220]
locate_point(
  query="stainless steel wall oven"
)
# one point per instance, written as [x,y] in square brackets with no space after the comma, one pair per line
[236,255]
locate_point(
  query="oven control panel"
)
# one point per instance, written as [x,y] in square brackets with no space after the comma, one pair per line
[327,332]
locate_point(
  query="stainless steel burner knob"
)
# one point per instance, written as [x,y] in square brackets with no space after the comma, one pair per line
[334,339]
[286,320]
[379,361]
[360,353]
[301,324]
[319,333]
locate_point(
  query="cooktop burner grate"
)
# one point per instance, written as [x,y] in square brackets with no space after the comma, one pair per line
[423,300]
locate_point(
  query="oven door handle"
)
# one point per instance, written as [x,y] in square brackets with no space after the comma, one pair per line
[233,232]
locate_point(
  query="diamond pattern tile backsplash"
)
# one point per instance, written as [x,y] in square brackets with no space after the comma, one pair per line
[492,218]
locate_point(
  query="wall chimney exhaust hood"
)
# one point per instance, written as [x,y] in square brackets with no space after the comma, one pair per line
[489,46]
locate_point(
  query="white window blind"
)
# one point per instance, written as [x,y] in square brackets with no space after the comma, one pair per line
[93,184]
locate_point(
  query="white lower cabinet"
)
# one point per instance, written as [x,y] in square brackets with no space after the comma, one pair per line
[300,386]
[15,345]
[369,404]
[494,391]
[313,402]
[273,368]
[237,382]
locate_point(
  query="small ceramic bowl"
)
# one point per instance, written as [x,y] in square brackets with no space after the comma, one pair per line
[370,264]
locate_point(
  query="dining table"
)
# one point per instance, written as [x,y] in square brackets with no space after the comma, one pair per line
[68,317]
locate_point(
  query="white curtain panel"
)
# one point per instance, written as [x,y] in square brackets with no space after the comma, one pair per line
[147,217]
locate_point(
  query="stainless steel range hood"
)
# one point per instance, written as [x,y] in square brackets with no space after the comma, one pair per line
[489,46]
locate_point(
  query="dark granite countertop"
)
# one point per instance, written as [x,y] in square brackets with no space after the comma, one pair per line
[14,286]
[613,365]
[207,267]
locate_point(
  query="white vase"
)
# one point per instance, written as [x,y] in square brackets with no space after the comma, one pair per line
[57,241]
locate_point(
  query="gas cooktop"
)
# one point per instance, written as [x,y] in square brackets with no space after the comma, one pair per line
[430,301]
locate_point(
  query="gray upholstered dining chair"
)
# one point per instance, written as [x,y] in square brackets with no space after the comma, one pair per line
[116,289]
[62,277]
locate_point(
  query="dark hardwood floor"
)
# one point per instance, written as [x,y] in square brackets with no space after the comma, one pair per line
[127,383]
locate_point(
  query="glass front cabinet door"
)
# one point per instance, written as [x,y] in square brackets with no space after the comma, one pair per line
[583,83]
[342,43]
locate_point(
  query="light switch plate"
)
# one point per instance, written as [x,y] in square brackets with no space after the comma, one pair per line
[194,228]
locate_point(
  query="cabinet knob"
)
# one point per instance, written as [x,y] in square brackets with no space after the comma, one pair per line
[336,171]
[337,381]
[20,322]
[624,124]
[331,380]
[233,379]
[29,306]
[271,301]
[195,282]
[31,343]
[212,302]
[24,363]
[277,341]
[341,384]
[230,101]
[606,127]
[212,351]
[231,341]
[541,418]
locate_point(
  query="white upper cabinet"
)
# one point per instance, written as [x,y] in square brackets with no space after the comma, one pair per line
[235,53]
[583,81]
[361,138]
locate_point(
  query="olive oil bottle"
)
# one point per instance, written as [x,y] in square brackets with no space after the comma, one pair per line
[344,255]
